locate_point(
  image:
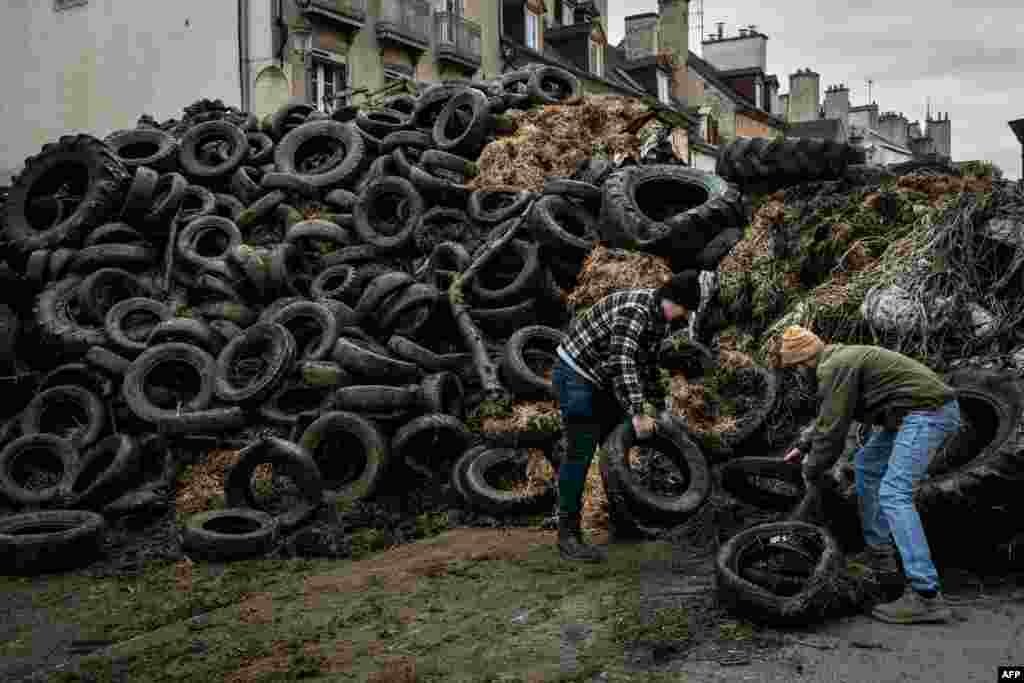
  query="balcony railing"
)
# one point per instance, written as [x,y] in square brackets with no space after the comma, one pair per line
[351,11]
[405,21]
[457,38]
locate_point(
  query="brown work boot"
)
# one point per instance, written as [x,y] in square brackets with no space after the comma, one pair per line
[914,608]
[571,545]
[882,559]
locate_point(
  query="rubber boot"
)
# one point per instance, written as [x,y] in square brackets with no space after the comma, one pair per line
[571,545]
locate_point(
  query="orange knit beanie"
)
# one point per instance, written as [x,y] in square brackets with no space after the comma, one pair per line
[798,344]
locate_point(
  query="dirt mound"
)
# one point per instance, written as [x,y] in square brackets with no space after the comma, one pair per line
[606,271]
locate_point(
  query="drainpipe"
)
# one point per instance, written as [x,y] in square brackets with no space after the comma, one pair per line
[1017,126]
[243,54]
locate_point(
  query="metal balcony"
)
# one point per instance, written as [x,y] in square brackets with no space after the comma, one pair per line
[406,22]
[347,12]
[457,39]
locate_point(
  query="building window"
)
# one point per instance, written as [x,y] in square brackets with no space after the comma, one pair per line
[759,95]
[710,131]
[568,15]
[663,89]
[328,78]
[59,5]
[532,28]
[596,59]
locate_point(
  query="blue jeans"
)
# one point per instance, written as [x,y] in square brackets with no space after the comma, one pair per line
[887,468]
[589,414]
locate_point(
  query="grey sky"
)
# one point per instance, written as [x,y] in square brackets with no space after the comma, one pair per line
[966,59]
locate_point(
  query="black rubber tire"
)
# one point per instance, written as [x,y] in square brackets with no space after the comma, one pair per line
[364,457]
[435,158]
[376,398]
[442,393]
[136,257]
[105,471]
[349,164]
[980,468]
[229,534]
[139,196]
[671,439]
[440,224]
[292,317]
[524,284]
[10,331]
[409,350]
[450,256]
[717,249]
[51,540]
[294,401]
[58,450]
[245,184]
[501,323]
[342,200]
[511,202]
[113,233]
[234,140]
[291,183]
[807,605]
[380,289]
[458,473]
[705,205]
[101,182]
[319,230]
[455,136]
[136,379]
[541,79]
[287,116]
[441,438]
[261,209]
[149,147]
[407,312]
[195,203]
[756,161]
[749,434]
[322,373]
[517,374]
[289,457]
[56,317]
[36,266]
[403,103]
[192,236]
[58,266]
[225,329]
[107,361]
[739,479]
[382,122]
[365,363]
[564,227]
[105,287]
[483,495]
[368,217]
[406,138]
[170,190]
[227,206]
[333,282]
[576,189]
[184,331]
[430,103]
[78,374]
[273,344]
[261,149]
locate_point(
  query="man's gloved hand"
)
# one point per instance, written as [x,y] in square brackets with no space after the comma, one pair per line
[809,509]
[644,426]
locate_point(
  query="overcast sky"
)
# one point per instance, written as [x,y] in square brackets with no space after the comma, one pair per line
[969,60]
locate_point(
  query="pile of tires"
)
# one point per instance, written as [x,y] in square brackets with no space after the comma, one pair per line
[225,277]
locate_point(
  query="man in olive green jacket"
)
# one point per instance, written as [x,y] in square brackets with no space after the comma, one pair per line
[916,411]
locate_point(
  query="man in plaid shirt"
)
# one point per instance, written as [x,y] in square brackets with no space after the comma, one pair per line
[606,368]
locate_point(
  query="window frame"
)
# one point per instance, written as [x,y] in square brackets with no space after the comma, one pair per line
[664,87]
[596,49]
[61,5]
[318,60]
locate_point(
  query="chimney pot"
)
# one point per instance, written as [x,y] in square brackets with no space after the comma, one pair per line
[721,29]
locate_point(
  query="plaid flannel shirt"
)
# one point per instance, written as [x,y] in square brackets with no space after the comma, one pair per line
[617,343]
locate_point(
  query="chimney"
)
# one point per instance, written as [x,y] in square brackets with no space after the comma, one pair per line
[940,131]
[641,35]
[784,107]
[804,96]
[748,50]
[721,29]
[673,29]
[837,103]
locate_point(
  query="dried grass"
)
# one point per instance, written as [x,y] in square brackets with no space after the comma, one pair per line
[605,272]
[595,501]
[522,413]
[552,140]
[938,187]
[687,400]
[757,241]
[205,482]
[539,474]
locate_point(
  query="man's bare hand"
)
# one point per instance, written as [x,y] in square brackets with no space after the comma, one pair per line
[794,457]
[643,426]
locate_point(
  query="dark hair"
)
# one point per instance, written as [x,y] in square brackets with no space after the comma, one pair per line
[683,288]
